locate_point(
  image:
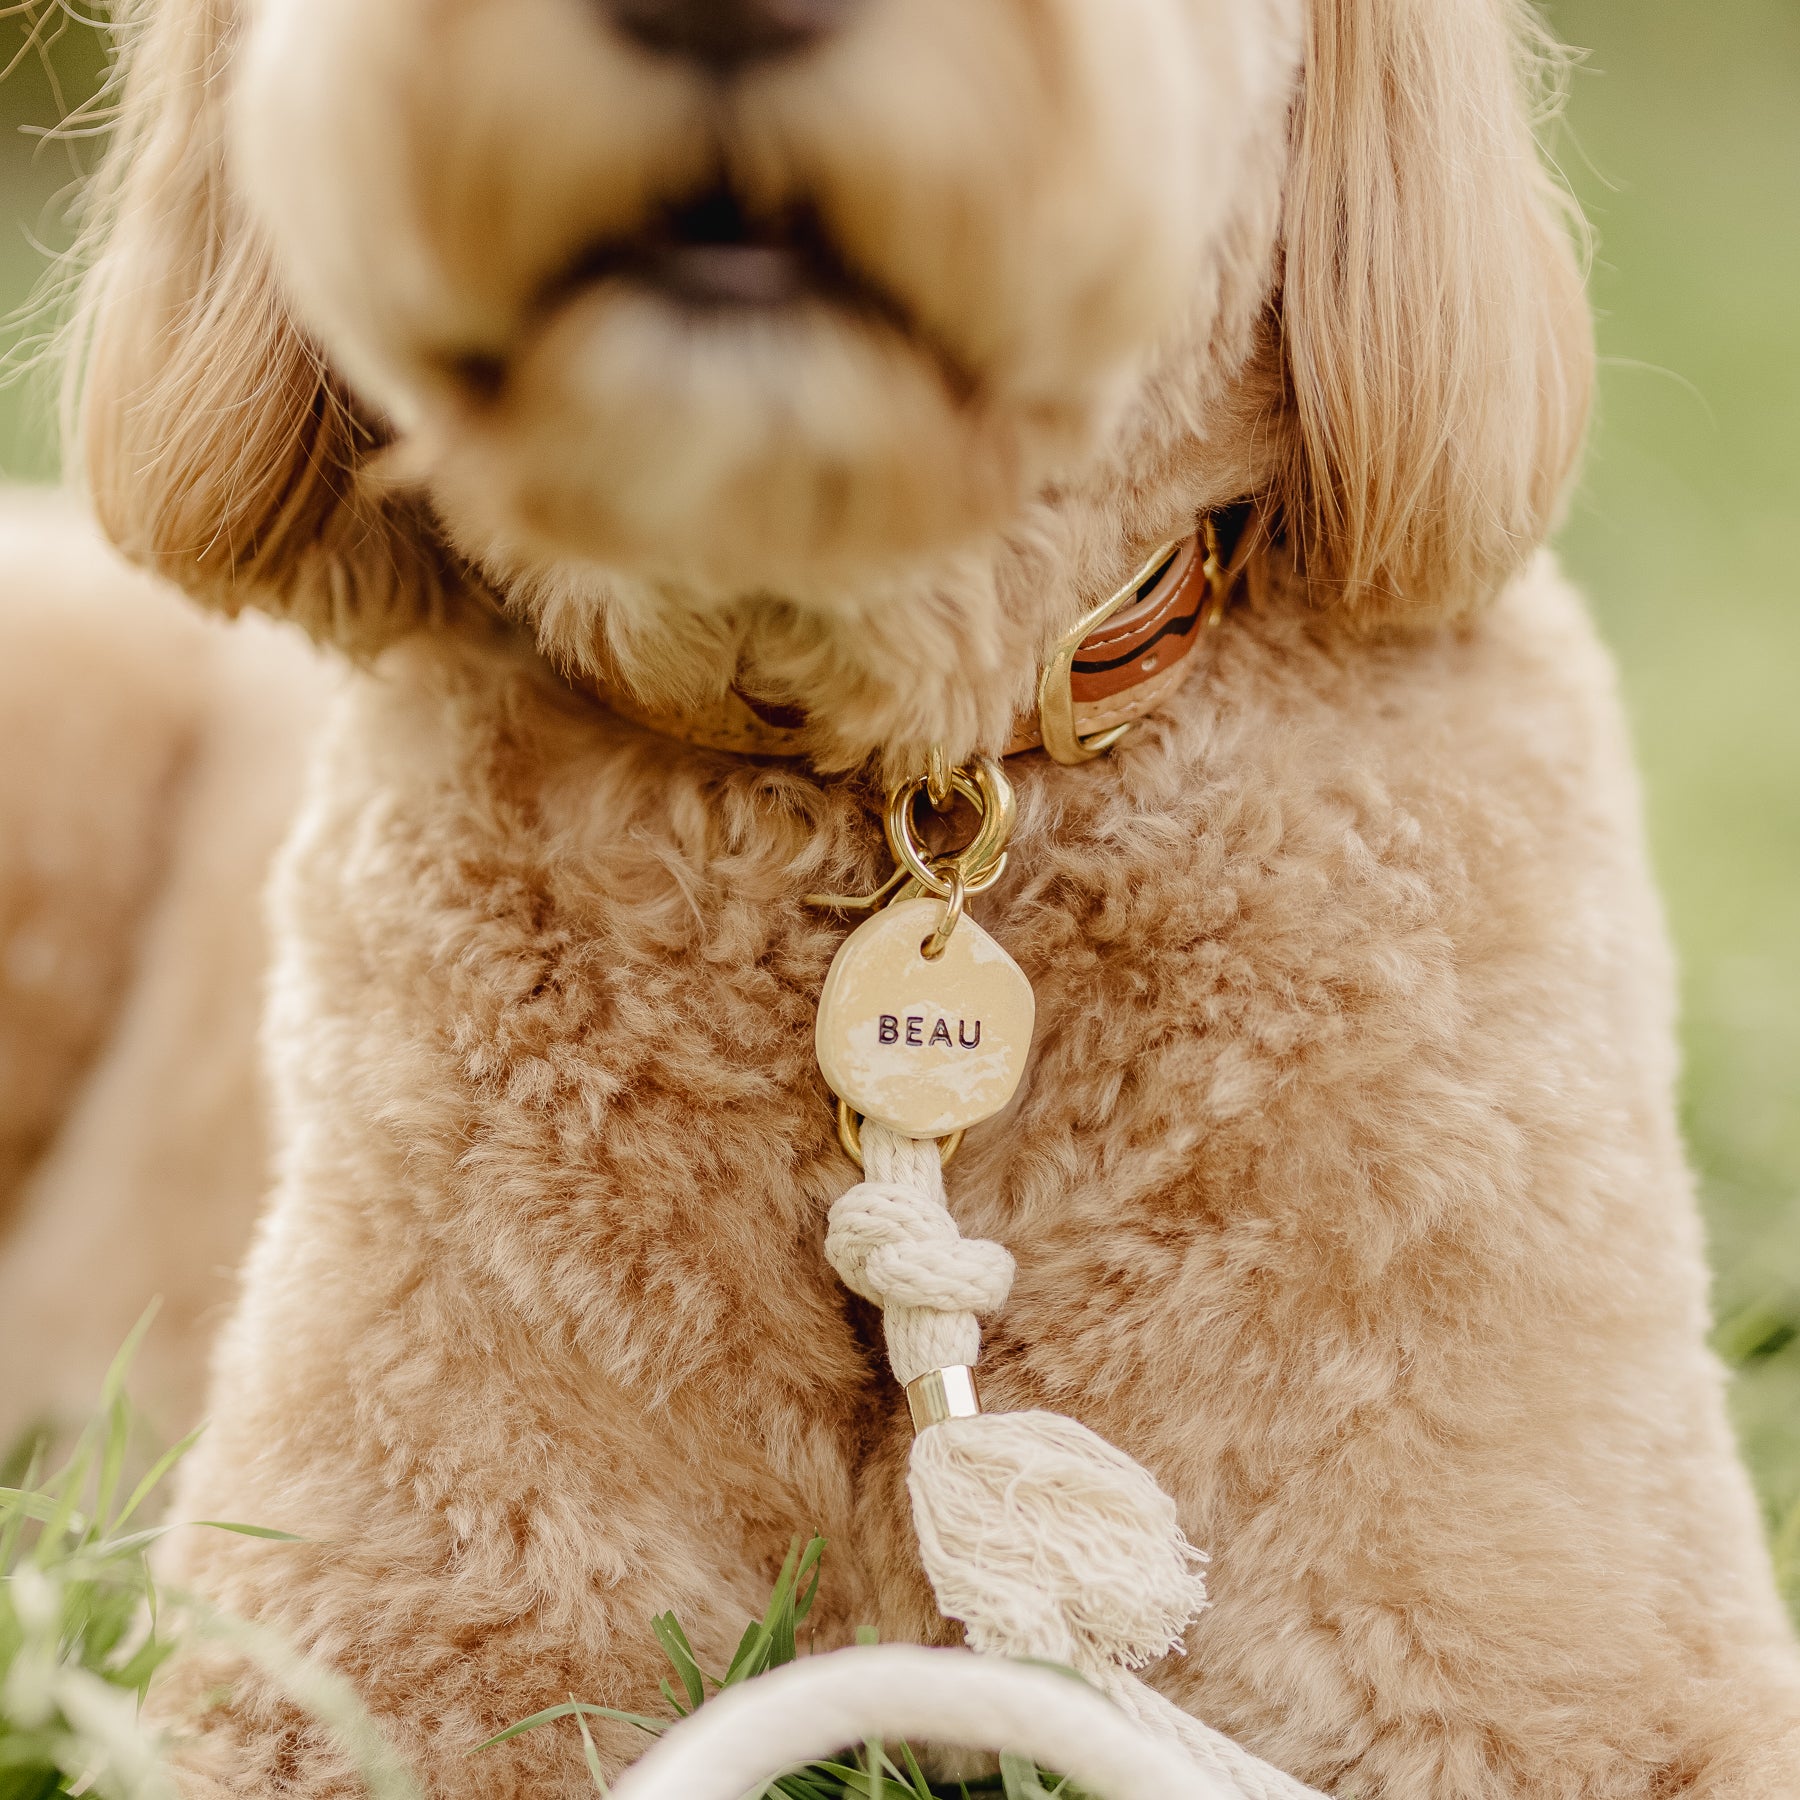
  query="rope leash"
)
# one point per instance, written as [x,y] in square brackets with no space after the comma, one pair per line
[734,1743]
[1040,1538]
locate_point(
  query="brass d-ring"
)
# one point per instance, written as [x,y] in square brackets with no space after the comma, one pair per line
[850,1136]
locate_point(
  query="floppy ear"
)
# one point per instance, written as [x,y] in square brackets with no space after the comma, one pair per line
[218,448]
[1437,338]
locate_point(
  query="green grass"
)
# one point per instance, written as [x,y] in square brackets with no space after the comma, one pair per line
[79,1635]
[84,1628]
[51,65]
[1683,143]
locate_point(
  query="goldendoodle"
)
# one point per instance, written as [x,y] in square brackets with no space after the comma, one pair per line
[694,417]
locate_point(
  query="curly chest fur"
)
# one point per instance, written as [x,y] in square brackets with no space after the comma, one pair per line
[1343,1187]
[1303,1015]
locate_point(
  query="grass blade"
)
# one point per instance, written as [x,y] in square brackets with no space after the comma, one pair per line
[751,1656]
[113,1387]
[806,1578]
[255,1531]
[37,1505]
[158,1470]
[595,1773]
[778,1620]
[115,1443]
[914,1773]
[570,1709]
[680,1652]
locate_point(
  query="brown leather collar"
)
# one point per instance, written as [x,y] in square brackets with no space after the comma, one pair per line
[1118,664]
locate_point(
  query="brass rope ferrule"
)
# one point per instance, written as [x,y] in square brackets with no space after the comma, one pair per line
[941,1394]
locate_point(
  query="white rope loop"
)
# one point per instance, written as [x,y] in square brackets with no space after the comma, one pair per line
[818,1707]
[1214,1752]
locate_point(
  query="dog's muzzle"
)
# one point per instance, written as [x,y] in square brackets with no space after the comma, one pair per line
[724,35]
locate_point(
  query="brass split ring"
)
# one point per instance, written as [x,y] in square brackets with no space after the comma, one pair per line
[939,941]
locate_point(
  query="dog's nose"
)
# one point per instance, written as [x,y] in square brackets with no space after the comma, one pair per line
[726,33]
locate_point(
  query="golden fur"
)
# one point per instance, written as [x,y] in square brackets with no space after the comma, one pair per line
[1345,1187]
[152,763]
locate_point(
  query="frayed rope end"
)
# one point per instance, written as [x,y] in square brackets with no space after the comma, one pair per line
[1044,1540]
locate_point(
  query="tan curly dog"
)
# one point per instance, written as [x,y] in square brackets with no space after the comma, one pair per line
[839,354]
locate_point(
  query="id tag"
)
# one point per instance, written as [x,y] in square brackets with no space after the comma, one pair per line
[924,1048]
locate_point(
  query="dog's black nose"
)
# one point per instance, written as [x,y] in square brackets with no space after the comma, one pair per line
[726,33]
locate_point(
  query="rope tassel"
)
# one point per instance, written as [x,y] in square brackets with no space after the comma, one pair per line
[1040,1537]
[1045,1541]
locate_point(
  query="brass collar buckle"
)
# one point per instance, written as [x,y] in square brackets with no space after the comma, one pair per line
[1057,726]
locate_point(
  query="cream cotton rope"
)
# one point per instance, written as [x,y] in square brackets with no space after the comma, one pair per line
[733,1744]
[1038,1536]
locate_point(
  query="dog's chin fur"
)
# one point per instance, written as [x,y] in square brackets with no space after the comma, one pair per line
[969,628]
[371,327]
[805,493]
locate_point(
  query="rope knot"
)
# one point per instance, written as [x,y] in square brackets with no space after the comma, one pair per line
[899,1247]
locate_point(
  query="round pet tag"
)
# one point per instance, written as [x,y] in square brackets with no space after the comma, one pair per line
[925,1048]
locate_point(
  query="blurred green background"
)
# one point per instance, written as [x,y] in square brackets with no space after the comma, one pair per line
[1683,141]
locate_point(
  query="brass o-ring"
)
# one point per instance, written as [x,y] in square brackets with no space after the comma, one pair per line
[933,947]
[990,792]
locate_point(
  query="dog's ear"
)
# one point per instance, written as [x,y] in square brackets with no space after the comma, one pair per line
[217,447]
[1436,332]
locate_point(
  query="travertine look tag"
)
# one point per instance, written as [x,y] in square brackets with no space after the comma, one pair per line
[924,1048]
